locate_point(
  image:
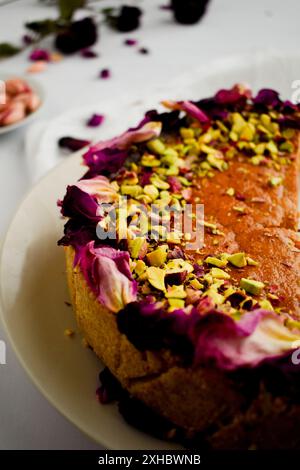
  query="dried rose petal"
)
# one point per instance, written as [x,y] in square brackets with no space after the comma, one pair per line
[39,54]
[105,73]
[95,120]
[73,144]
[130,42]
[88,54]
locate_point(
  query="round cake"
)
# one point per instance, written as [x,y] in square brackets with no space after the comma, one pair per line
[183,267]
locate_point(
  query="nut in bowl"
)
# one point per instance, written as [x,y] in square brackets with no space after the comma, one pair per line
[20,99]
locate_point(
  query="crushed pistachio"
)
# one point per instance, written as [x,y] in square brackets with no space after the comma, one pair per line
[275,181]
[156,277]
[151,191]
[265,304]
[140,267]
[175,304]
[158,257]
[156,146]
[150,161]
[251,262]
[132,190]
[135,246]
[238,260]
[251,286]
[176,292]
[218,273]
[230,192]
[220,263]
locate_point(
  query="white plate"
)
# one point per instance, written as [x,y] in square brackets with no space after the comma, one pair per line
[35,86]
[33,294]
[33,285]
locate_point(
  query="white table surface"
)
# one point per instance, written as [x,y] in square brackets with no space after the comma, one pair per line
[27,420]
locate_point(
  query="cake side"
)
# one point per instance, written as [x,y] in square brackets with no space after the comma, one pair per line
[192,398]
[201,401]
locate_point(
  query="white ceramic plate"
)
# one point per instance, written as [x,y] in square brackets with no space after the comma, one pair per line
[35,87]
[33,294]
[33,285]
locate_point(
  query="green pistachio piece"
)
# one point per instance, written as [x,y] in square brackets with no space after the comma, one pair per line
[238,260]
[216,162]
[158,256]
[175,304]
[275,181]
[251,262]
[220,263]
[196,284]
[132,180]
[150,161]
[158,182]
[171,153]
[266,304]
[260,148]
[156,277]
[176,292]
[134,190]
[238,123]
[173,170]
[248,132]
[140,267]
[251,286]
[272,147]
[165,195]
[156,146]
[174,238]
[239,209]
[215,296]
[184,181]
[151,191]
[218,273]
[135,246]
[288,133]
[186,133]
[178,265]
[230,192]
[257,159]
[286,147]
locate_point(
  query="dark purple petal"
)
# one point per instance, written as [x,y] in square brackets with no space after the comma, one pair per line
[104,162]
[39,54]
[88,54]
[72,144]
[79,205]
[95,120]
[130,42]
[267,97]
[104,74]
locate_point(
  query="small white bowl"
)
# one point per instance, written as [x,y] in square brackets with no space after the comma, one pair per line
[37,88]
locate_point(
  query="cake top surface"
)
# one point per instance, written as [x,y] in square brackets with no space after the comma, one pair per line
[185,227]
